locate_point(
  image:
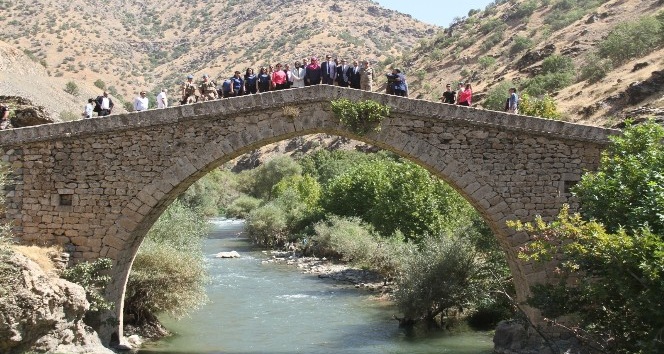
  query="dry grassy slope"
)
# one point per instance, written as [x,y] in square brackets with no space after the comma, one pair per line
[21,76]
[133,45]
[576,40]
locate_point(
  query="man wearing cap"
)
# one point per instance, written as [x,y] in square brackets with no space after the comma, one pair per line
[329,70]
[189,91]
[366,76]
[208,89]
[141,102]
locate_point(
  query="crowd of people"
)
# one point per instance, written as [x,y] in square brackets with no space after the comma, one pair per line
[305,72]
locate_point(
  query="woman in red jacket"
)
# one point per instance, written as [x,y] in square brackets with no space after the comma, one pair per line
[466,96]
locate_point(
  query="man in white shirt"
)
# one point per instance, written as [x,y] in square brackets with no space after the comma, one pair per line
[105,105]
[141,102]
[298,75]
[162,100]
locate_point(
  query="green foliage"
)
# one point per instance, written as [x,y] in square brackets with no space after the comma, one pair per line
[631,40]
[492,25]
[266,176]
[497,96]
[361,117]
[393,196]
[442,275]
[558,64]
[99,83]
[267,225]
[493,40]
[595,68]
[547,83]
[168,274]
[520,44]
[617,282]
[219,187]
[242,206]
[544,107]
[525,9]
[71,88]
[487,62]
[628,188]
[566,12]
[326,165]
[351,240]
[92,278]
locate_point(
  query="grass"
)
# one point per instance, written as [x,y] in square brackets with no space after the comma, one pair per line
[40,255]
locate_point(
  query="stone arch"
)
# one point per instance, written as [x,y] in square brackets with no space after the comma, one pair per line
[506,166]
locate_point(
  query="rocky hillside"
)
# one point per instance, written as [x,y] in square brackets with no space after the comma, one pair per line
[598,77]
[24,82]
[127,46]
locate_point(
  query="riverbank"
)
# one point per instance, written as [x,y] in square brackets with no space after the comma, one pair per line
[342,273]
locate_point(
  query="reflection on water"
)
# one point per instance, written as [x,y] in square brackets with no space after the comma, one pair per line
[270,309]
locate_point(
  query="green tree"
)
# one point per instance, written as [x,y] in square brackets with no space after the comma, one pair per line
[628,188]
[631,40]
[269,174]
[395,195]
[442,275]
[168,274]
[72,89]
[610,283]
[544,107]
[100,84]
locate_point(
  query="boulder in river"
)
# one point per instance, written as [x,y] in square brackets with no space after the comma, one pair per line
[231,254]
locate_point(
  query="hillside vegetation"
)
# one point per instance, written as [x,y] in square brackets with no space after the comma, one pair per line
[127,46]
[599,60]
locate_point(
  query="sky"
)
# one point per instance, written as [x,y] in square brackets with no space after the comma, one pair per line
[436,12]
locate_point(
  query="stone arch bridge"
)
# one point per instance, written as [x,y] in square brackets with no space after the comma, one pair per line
[98,185]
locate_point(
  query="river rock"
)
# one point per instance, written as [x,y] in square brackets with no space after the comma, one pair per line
[41,313]
[231,254]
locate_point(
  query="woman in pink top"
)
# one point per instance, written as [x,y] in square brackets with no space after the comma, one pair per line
[279,79]
[466,96]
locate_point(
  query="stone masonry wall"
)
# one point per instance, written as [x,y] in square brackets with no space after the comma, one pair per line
[96,186]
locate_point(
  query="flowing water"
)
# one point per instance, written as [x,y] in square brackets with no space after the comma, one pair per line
[268,308]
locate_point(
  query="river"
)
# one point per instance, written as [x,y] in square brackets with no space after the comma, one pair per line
[272,308]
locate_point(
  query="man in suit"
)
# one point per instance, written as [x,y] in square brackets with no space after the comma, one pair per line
[355,75]
[329,69]
[344,74]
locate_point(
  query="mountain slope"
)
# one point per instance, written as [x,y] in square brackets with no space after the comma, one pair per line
[509,41]
[134,45]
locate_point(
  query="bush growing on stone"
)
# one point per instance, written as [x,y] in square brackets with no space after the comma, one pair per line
[361,117]
[90,276]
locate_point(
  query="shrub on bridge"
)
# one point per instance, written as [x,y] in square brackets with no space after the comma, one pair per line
[361,117]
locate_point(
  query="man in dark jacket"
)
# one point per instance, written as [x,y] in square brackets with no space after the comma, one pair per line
[344,73]
[355,75]
[104,105]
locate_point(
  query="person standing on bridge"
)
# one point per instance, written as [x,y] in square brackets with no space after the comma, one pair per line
[448,96]
[208,89]
[298,75]
[366,76]
[141,102]
[162,100]
[465,97]
[189,91]
[512,102]
[4,116]
[104,105]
